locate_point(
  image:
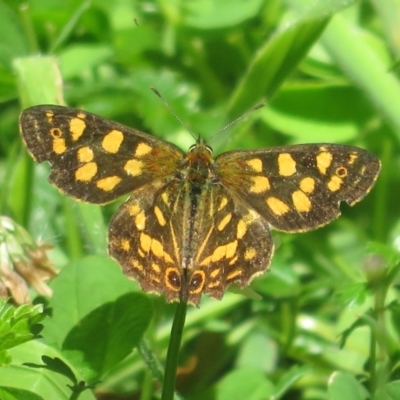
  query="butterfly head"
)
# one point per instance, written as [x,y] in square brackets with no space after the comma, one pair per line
[198,162]
[200,152]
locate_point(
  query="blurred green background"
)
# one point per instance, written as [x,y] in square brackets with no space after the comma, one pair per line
[326,322]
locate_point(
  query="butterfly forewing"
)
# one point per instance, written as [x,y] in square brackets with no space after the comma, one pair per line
[298,188]
[94,159]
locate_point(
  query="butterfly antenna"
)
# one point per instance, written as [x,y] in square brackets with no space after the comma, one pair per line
[237,119]
[172,111]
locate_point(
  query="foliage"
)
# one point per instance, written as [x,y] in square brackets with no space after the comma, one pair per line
[17,326]
[327,323]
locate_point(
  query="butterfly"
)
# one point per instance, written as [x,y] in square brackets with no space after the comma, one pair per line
[193,223]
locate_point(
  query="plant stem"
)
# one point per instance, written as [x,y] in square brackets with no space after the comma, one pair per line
[173,352]
[380,373]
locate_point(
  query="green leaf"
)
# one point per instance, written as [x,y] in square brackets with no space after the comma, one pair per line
[273,63]
[56,365]
[218,14]
[244,383]
[249,353]
[107,335]
[92,223]
[80,288]
[364,67]
[13,42]
[10,393]
[16,325]
[31,73]
[338,111]
[391,391]
[289,378]
[353,293]
[78,59]
[343,385]
[42,382]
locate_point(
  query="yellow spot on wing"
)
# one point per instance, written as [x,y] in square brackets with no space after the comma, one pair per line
[231,249]
[307,184]
[76,127]
[157,248]
[109,183]
[112,141]
[167,257]
[335,183]
[255,164]
[156,268]
[225,251]
[250,253]
[86,172]
[286,164]
[233,261]
[324,161]
[225,221]
[241,229]
[135,263]
[353,157]
[215,273]
[133,210]
[278,207]
[301,202]
[85,154]
[125,245]
[49,116]
[234,274]
[223,203]
[213,285]
[165,198]
[142,149]
[140,221]
[145,242]
[133,167]
[159,215]
[260,184]
[59,146]
[218,254]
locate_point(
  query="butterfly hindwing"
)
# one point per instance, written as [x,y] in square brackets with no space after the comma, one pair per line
[157,241]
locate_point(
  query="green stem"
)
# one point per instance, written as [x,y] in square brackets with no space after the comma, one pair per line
[381,351]
[150,360]
[75,395]
[173,352]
